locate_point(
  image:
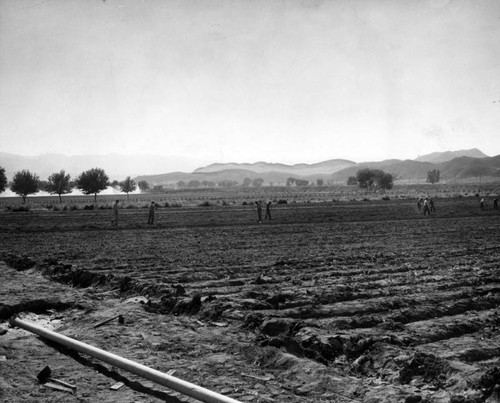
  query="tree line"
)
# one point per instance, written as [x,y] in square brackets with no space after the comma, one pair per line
[95,180]
[374,179]
[92,181]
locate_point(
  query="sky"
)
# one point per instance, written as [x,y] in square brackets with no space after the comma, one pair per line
[295,81]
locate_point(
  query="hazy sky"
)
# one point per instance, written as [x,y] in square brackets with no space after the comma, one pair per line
[254,80]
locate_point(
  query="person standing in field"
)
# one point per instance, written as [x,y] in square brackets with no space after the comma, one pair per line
[419,205]
[495,204]
[152,208]
[427,210]
[268,211]
[481,204]
[259,211]
[114,221]
[431,205]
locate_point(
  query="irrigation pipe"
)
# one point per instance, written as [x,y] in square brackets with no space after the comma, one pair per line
[186,388]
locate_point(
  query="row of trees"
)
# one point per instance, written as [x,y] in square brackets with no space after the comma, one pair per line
[374,179]
[95,180]
[196,184]
[89,182]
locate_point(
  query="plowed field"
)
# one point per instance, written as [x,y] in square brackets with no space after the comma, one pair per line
[334,302]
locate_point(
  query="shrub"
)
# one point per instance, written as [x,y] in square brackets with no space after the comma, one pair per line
[17,209]
[282,201]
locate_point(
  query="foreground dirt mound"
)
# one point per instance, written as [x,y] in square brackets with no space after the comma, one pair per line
[379,306]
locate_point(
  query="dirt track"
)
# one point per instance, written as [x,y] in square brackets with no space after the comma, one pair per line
[356,301]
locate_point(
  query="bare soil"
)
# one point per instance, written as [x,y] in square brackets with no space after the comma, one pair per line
[328,302]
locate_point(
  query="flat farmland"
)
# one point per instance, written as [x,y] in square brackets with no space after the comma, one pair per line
[334,301]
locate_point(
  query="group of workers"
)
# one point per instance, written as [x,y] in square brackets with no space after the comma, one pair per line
[482,204]
[152,209]
[259,211]
[151,217]
[428,205]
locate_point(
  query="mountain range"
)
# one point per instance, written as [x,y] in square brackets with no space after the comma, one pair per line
[451,164]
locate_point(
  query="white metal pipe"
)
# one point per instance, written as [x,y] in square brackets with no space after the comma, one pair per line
[186,388]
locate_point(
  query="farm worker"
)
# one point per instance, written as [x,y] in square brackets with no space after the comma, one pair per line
[114,221]
[427,210]
[152,209]
[259,211]
[419,204]
[268,211]
[431,203]
[481,204]
[495,204]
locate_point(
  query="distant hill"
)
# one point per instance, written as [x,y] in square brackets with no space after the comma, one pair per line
[325,167]
[440,157]
[274,178]
[270,173]
[410,170]
[467,167]
[337,171]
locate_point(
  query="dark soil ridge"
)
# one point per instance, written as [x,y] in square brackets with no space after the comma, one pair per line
[361,286]
[410,308]
[314,307]
[66,273]
[37,306]
[173,297]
